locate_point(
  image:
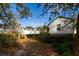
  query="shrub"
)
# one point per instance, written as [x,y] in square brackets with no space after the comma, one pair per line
[7,40]
[44,37]
[62,43]
[64,47]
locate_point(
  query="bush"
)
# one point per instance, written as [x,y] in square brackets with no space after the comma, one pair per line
[44,37]
[7,40]
[64,47]
[62,43]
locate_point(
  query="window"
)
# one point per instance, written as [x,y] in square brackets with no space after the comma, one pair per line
[59,27]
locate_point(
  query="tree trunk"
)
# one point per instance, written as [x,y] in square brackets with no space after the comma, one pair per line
[76,45]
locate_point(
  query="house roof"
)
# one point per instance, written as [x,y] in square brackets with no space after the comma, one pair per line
[59,17]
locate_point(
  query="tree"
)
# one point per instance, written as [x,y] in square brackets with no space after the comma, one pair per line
[61,9]
[56,9]
[29,27]
[76,43]
[8,16]
[70,10]
[1,25]
[43,29]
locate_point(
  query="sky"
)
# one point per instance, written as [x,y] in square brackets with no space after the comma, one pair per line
[36,20]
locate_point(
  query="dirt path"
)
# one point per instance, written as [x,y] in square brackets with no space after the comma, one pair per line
[29,48]
[36,49]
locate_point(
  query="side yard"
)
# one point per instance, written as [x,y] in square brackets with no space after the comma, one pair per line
[36,45]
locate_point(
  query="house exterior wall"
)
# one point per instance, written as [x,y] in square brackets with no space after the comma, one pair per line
[25,31]
[31,31]
[53,26]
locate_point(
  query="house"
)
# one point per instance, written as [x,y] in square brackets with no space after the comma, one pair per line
[30,30]
[61,25]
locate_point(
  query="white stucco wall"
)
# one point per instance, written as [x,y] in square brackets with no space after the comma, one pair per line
[26,31]
[53,27]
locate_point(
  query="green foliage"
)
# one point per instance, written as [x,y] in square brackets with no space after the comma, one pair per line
[45,37]
[7,40]
[62,44]
[69,10]
[65,47]
[29,27]
[43,29]
[54,8]
[9,17]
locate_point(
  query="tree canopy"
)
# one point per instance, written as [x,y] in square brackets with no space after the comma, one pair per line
[59,9]
[69,10]
[10,13]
